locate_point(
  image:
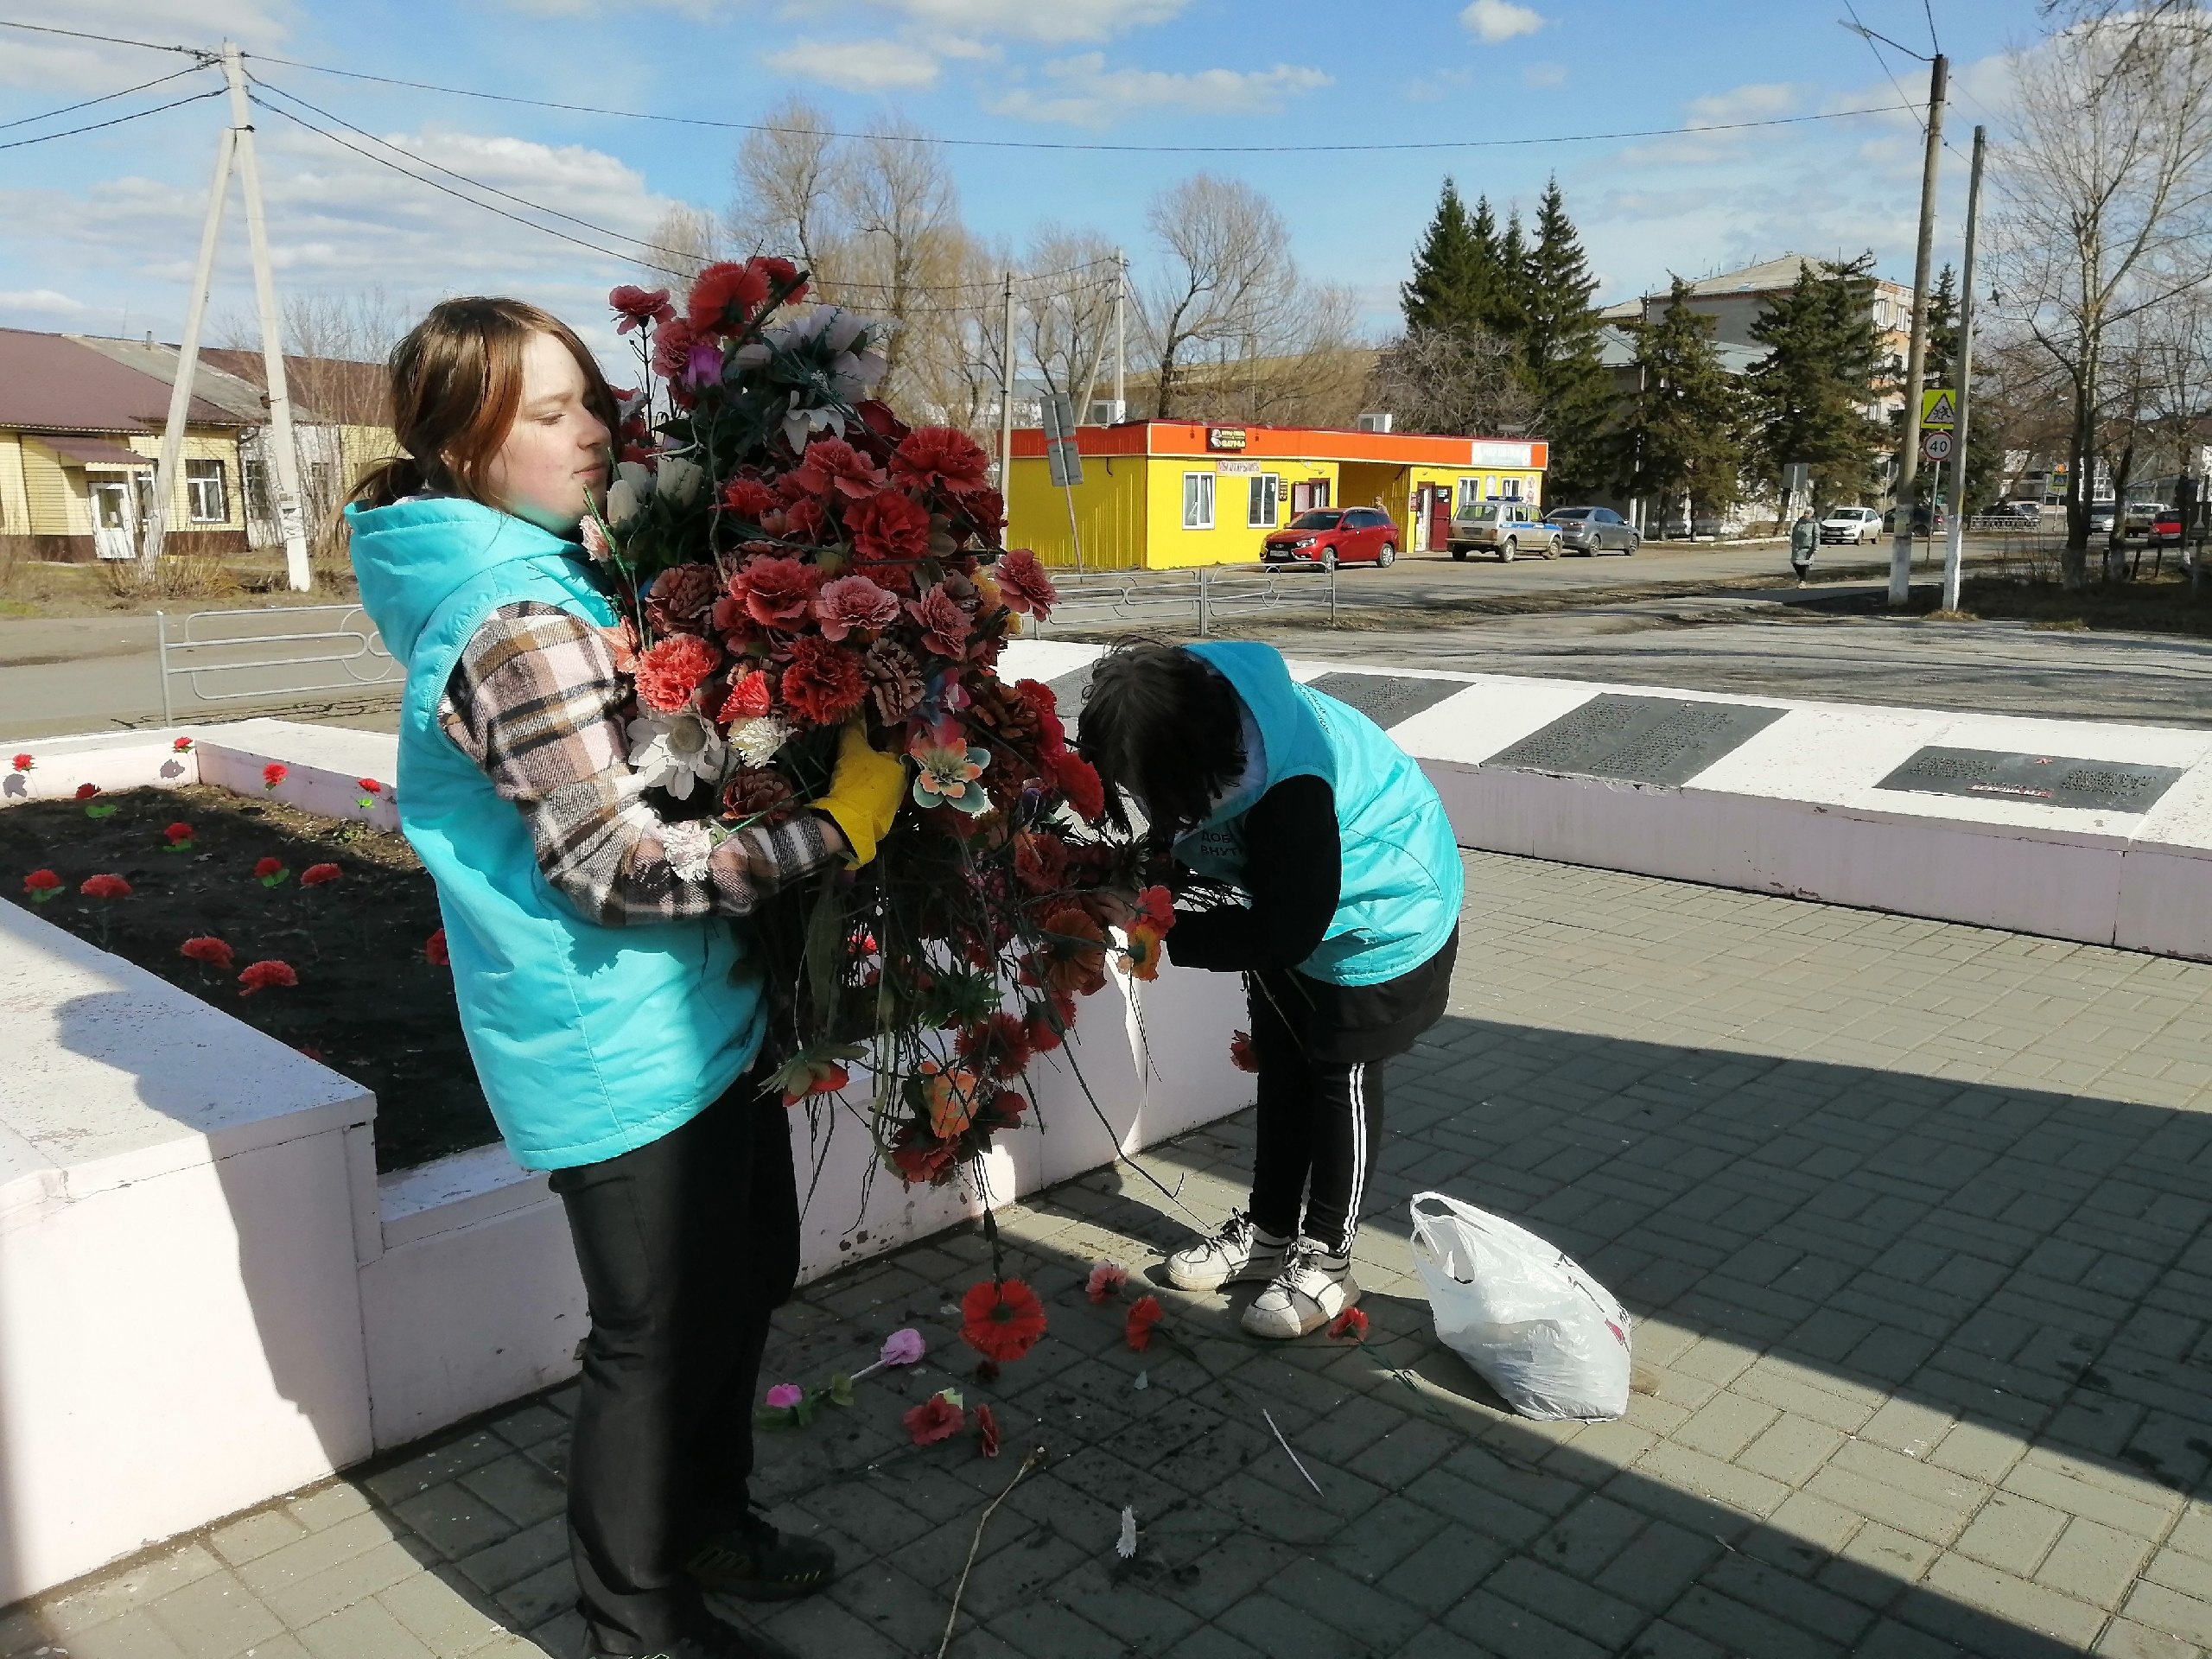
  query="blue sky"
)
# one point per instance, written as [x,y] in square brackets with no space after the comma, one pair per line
[97,233]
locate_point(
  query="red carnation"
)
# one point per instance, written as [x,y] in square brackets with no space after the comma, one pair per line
[748,498]
[434,949]
[182,746]
[986,1430]
[42,884]
[682,599]
[266,867]
[105,886]
[1351,1326]
[888,527]
[637,306]
[832,466]
[24,762]
[1079,781]
[1052,734]
[851,603]
[672,347]
[783,275]
[1000,1319]
[918,1156]
[750,697]
[1144,1313]
[1023,583]
[1240,1052]
[943,457]
[774,592]
[316,875]
[669,672]
[178,834]
[368,785]
[85,791]
[943,623]
[821,684]
[1008,1104]
[724,296]
[274,773]
[266,976]
[936,1419]
[209,950]
[1041,860]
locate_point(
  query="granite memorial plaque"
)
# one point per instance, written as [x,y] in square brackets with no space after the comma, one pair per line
[1637,740]
[2040,779]
[1386,699]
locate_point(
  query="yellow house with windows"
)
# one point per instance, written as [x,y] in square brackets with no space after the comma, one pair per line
[1168,494]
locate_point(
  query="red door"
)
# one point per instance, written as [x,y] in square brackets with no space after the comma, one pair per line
[1440,517]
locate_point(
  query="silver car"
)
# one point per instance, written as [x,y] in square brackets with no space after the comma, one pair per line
[1593,530]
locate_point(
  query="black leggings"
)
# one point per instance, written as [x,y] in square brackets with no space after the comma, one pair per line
[1320,1123]
[687,1244]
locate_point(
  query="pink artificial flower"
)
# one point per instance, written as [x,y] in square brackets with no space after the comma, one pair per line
[1023,583]
[851,603]
[901,1348]
[639,306]
[832,466]
[1105,1282]
[774,592]
[785,1395]
[940,456]
[887,526]
[943,623]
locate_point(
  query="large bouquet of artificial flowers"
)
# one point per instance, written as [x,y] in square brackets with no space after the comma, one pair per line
[794,562]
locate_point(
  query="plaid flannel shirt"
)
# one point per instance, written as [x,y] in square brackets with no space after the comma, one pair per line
[535,701]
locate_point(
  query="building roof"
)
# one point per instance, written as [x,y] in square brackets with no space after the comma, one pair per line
[332,389]
[1768,277]
[226,391]
[1200,438]
[1617,350]
[55,383]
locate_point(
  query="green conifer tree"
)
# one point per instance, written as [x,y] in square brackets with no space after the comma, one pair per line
[1809,394]
[1558,351]
[1682,434]
[1447,271]
[1505,309]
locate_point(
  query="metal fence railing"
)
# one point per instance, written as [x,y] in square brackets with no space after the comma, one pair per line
[1199,598]
[262,655]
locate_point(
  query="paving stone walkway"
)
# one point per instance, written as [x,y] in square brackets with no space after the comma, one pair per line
[1913,1218]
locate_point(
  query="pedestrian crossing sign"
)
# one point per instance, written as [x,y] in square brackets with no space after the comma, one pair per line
[1939,406]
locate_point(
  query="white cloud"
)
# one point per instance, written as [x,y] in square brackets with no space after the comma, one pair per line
[1544,75]
[1493,21]
[1760,101]
[40,299]
[876,65]
[1053,21]
[59,63]
[1084,92]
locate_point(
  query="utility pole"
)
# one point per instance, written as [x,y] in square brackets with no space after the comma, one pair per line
[187,360]
[1955,539]
[1005,401]
[1908,490]
[290,516]
[1121,336]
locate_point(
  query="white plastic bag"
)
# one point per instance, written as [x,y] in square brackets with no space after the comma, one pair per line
[1546,1335]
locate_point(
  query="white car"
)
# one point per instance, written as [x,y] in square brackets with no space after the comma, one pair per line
[1853,524]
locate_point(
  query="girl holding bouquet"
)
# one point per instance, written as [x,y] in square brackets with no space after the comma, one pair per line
[1350,884]
[615,1016]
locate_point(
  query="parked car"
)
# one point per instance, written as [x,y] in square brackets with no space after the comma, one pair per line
[1330,537]
[1593,530]
[1926,520]
[2140,516]
[1505,528]
[2026,514]
[2102,514]
[1853,524]
[2166,527]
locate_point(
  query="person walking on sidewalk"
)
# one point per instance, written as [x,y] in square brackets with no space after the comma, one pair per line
[1805,542]
[615,1016]
[1350,883]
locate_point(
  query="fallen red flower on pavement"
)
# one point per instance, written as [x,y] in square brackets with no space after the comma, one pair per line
[1143,1315]
[937,1418]
[986,1431]
[1351,1326]
[264,976]
[1001,1319]
[208,948]
[1105,1282]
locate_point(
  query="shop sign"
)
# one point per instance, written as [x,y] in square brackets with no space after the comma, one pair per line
[1233,469]
[1486,453]
[1225,438]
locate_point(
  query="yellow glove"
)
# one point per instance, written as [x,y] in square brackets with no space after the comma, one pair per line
[865,791]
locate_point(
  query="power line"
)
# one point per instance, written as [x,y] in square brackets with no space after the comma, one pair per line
[110,40]
[136,115]
[1934,44]
[104,97]
[1869,37]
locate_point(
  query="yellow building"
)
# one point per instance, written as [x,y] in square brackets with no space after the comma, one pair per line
[1167,494]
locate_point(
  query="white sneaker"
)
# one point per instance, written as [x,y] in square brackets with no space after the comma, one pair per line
[1240,1251]
[1309,1290]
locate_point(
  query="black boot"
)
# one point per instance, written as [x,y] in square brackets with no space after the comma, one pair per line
[751,1560]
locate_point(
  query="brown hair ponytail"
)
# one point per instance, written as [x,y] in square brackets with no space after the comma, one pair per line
[456,381]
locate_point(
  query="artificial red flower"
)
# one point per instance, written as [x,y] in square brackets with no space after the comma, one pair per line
[266,976]
[274,773]
[832,466]
[178,834]
[1157,905]
[1041,860]
[682,598]
[1077,950]
[1351,1326]
[1044,709]
[725,296]
[1000,1319]
[24,763]
[639,306]
[316,875]
[671,671]
[986,1429]
[1079,781]
[945,622]
[748,498]
[367,786]
[672,347]
[804,520]
[1240,1052]
[750,697]
[919,1156]
[1105,1282]
[182,746]
[936,1419]
[1007,1107]
[209,950]
[269,868]
[1140,955]
[42,884]
[783,275]
[1144,1313]
[1023,583]
[434,949]
[999,1045]
[776,593]
[105,887]
[822,684]
[887,526]
[942,457]
[851,603]
[85,791]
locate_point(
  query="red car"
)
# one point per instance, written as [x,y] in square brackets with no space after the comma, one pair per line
[1330,537]
[2166,527]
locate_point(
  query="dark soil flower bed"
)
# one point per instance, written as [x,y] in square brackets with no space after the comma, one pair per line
[368,1001]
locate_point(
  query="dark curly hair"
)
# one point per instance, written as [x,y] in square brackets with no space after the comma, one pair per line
[1165,725]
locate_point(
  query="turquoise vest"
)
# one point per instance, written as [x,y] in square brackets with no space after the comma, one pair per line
[1400,895]
[589,1040]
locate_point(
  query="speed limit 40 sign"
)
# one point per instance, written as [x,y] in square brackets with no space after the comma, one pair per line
[1936,446]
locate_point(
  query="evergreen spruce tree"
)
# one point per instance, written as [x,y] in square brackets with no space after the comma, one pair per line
[1683,432]
[1506,306]
[1444,293]
[1486,278]
[1558,351]
[1943,359]
[1810,392]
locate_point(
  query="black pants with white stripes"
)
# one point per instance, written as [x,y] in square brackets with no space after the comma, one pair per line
[1320,1123]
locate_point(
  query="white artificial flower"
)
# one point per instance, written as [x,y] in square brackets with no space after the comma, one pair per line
[800,423]
[755,353]
[637,476]
[624,504]
[757,741]
[680,479]
[672,752]
[689,848]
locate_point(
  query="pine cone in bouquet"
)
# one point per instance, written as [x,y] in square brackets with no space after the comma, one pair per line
[793,558]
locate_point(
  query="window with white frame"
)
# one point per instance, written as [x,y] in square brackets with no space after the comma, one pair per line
[1197,500]
[1512,489]
[1262,505]
[207,490]
[1471,491]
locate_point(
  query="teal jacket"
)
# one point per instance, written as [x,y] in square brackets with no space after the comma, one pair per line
[1399,896]
[589,1040]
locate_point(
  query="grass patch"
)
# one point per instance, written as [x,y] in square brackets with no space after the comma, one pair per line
[2150,604]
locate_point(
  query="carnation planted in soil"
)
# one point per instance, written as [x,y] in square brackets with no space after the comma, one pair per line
[792,559]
